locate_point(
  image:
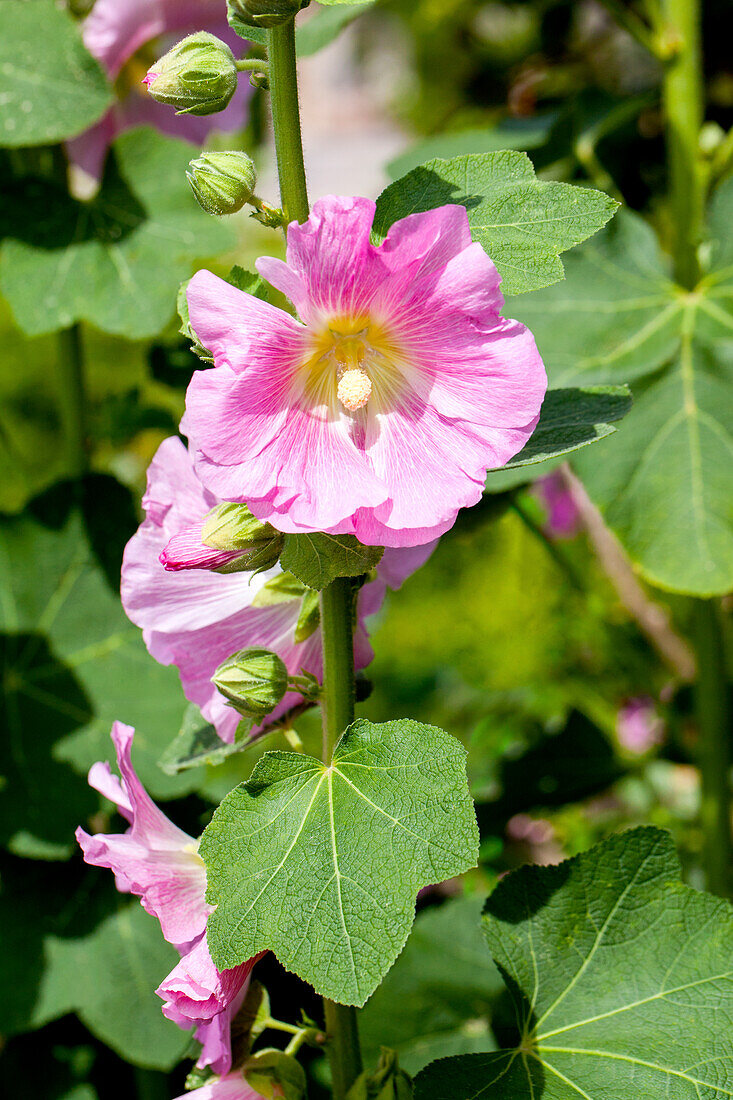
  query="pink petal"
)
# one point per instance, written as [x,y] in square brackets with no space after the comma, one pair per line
[231,1087]
[196,991]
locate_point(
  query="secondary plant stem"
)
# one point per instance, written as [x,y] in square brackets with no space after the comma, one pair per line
[685,110]
[286,120]
[337,628]
[715,755]
[71,399]
[337,600]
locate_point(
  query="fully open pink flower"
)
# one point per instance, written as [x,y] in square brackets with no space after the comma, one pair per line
[159,863]
[379,411]
[195,619]
[113,32]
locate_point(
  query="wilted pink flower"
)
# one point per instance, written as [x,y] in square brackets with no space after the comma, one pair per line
[160,864]
[195,619]
[379,411]
[231,1087]
[113,32]
[563,518]
[638,725]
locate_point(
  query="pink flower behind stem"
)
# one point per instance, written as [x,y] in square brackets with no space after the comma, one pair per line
[159,863]
[378,412]
[195,619]
[563,518]
[638,725]
[113,31]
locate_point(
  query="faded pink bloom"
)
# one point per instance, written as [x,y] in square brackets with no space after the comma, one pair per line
[563,518]
[113,32]
[639,727]
[231,1087]
[195,619]
[154,859]
[159,863]
[379,411]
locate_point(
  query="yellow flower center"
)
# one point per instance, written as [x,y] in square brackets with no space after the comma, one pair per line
[354,360]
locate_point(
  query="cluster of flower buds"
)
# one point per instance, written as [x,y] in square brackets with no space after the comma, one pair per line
[266,13]
[198,76]
[222,182]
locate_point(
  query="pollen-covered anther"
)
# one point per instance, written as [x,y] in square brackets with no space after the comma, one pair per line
[354,388]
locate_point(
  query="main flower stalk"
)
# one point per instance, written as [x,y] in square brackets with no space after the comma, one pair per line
[337,599]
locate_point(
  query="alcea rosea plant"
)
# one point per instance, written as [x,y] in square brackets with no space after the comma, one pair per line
[329,445]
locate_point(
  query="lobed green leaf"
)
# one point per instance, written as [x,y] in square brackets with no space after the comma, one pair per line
[51,88]
[322,864]
[662,483]
[620,977]
[523,223]
[116,260]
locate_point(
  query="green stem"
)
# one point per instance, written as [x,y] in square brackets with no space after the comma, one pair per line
[286,120]
[71,399]
[337,628]
[337,600]
[715,751]
[684,111]
[253,65]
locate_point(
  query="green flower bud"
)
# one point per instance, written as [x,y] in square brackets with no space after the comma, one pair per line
[222,182]
[387,1082]
[275,1075]
[265,13]
[231,526]
[253,681]
[197,77]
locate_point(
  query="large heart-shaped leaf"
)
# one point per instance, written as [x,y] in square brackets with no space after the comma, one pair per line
[116,260]
[322,864]
[73,664]
[662,484]
[621,979]
[51,87]
[522,222]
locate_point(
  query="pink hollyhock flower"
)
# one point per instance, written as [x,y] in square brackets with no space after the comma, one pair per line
[563,517]
[159,863]
[231,1087]
[377,413]
[154,859]
[113,32]
[638,725]
[195,619]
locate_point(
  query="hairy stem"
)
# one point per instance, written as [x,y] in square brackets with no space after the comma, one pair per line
[715,752]
[337,627]
[337,601]
[684,112]
[286,121]
[71,399]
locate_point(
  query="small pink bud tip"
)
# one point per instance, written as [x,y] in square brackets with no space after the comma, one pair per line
[149,78]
